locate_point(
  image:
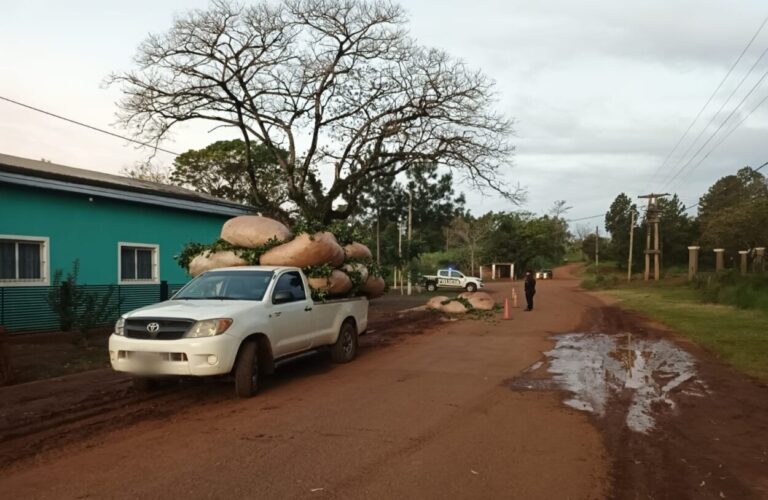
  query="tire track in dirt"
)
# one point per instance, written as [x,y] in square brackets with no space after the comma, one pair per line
[46,415]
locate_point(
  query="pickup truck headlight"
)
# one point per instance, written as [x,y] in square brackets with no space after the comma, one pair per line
[209,328]
[120,327]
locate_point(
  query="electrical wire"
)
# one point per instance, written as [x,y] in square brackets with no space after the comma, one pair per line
[727,118]
[585,218]
[755,170]
[712,120]
[719,86]
[726,136]
[91,127]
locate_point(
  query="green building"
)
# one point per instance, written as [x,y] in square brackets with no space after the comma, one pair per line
[123,232]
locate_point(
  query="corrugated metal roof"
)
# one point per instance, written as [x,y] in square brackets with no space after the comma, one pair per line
[46,170]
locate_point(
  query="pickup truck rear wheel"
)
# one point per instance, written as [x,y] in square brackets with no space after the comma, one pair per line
[471,287]
[431,287]
[345,348]
[247,370]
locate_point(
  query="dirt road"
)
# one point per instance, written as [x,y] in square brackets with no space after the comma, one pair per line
[461,410]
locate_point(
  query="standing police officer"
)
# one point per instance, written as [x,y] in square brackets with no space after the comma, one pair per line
[530,289]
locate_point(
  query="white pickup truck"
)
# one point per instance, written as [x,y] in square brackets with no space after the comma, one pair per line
[238,321]
[448,278]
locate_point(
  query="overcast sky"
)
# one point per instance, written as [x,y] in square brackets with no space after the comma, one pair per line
[601,90]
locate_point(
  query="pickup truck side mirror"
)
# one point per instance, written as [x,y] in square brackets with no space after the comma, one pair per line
[282,296]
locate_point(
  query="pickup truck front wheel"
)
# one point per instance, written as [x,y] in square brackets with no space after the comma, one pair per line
[471,287]
[345,348]
[247,370]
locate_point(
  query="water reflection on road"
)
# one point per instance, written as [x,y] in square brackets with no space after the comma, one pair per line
[602,370]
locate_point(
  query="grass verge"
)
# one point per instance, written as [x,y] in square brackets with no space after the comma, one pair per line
[737,336]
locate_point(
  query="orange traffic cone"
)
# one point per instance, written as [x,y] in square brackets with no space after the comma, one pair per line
[506,308]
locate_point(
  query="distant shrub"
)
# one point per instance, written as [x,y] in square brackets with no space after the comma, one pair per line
[731,288]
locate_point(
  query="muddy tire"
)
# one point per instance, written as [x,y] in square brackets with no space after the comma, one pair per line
[247,370]
[471,287]
[145,384]
[431,287]
[345,348]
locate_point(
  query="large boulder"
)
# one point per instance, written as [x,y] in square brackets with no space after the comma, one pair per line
[305,250]
[338,283]
[213,260]
[437,302]
[454,307]
[373,287]
[252,231]
[357,268]
[358,251]
[479,300]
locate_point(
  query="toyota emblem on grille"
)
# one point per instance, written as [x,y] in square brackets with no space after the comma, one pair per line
[153,328]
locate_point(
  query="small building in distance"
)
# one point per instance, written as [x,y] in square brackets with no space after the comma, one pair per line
[123,232]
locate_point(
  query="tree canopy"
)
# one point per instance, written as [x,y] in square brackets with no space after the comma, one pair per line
[335,90]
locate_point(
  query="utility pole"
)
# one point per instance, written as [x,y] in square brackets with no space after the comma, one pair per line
[400,252]
[410,233]
[631,245]
[378,237]
[597,249]
[652,234]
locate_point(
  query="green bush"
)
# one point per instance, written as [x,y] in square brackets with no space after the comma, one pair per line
[730,288]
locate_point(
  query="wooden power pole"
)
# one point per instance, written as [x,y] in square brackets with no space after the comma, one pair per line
[597,249]
[631,245]
[652,235]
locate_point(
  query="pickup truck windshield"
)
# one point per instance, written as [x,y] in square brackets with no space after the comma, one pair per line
[227,285]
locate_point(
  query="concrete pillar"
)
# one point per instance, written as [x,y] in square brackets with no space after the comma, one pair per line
[693,262]
[493,271]
[759,262]
[719,256]
[743,263]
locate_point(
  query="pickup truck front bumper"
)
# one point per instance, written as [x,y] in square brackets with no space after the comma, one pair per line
[197,357]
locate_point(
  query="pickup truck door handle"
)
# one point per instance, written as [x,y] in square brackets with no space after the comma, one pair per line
[308,308]
[276,314]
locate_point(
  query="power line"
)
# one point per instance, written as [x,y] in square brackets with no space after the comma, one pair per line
[96,129]
[755,170]
[727,118]
[726,136]
[715,116]
[586,218]
[719,86]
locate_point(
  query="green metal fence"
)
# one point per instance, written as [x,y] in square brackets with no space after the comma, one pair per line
[26,308]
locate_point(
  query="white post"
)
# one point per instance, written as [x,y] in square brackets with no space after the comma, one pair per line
[693,262]
[719,259]
[743,263]
[759,261]
[493,271]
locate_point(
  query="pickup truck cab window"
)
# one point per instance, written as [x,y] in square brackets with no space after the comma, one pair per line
[456,274]
[229,285]
[290,282]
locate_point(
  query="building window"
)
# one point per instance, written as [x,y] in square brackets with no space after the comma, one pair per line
[23,260]
[138,263]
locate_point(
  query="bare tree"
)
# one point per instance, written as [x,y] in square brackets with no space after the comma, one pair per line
[468,233]
[338,84]
[147,171]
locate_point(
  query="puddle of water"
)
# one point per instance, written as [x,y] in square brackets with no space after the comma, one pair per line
[596,368]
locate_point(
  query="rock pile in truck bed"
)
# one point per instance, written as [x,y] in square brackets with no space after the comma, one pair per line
[332,270]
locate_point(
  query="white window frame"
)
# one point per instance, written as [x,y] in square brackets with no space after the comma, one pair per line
[45,261]
[155,262]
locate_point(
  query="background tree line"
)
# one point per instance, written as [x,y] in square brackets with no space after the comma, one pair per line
[732,214]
